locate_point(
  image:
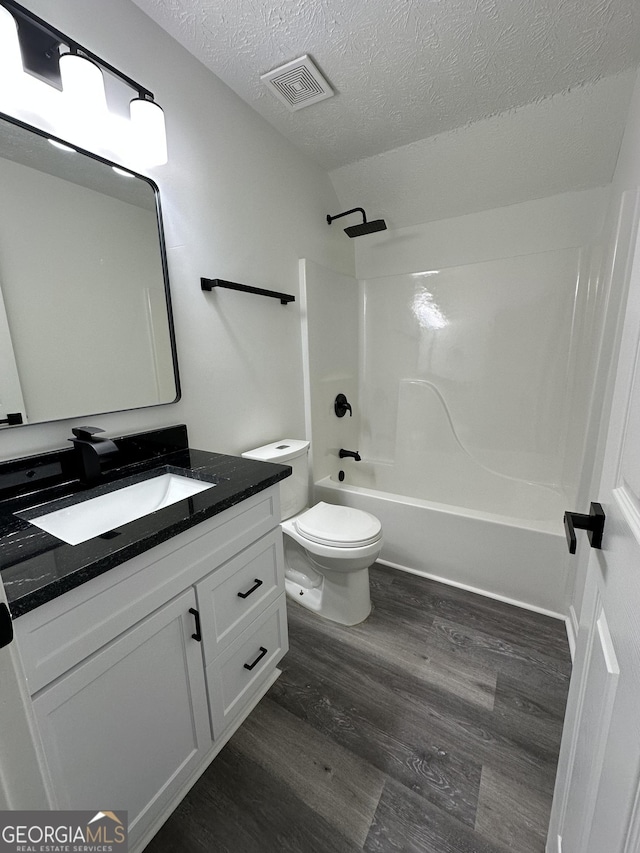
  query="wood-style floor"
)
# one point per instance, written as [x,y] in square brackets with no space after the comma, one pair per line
[433,727]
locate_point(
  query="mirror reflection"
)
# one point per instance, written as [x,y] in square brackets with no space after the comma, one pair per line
[85,324]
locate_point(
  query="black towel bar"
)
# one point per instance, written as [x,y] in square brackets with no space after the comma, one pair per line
[209,283]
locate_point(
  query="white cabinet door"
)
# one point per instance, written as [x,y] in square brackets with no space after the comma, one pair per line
[126,727]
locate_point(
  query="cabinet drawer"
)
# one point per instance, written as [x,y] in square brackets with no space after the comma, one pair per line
[238,672]
[58,635]
[230,598]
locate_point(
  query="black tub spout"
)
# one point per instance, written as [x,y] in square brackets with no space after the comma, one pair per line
[351,454]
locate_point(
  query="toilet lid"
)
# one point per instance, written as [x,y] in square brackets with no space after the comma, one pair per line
[344,526]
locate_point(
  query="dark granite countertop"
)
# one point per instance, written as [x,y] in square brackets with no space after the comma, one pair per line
[36,567]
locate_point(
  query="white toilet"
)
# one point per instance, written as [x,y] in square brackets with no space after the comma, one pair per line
[327,549]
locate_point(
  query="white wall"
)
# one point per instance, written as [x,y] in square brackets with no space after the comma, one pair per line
[239,202]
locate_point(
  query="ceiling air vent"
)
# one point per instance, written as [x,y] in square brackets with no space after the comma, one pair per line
[298,84]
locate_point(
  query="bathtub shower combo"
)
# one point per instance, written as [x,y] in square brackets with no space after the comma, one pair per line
[462,386]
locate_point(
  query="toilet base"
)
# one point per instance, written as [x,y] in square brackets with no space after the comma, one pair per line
[342,597]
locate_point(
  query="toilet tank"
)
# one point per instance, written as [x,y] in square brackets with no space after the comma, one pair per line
[294,491]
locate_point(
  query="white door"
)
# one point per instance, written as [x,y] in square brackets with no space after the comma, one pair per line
[596,806]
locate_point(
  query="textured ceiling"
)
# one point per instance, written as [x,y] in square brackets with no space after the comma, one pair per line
[403,70]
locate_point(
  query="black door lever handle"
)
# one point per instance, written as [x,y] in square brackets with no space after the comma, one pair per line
[592,523]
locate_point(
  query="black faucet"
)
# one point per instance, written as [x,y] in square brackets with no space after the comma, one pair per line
[88,451]
[352,454]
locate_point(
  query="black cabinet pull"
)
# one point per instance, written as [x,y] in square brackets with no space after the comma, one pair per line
[249,591]
[6,626]
[592,523]
[198,634]
[263,652]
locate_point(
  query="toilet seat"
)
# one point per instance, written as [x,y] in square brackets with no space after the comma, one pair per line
[338,526]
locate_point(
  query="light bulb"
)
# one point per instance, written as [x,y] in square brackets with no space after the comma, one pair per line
[82,82]
[85,103]
[149,132]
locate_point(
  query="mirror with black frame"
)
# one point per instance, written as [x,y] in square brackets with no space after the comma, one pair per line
[85,311]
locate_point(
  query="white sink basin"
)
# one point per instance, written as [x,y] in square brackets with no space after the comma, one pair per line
[94,516]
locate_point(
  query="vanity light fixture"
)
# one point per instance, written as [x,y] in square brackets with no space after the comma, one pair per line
[49,79]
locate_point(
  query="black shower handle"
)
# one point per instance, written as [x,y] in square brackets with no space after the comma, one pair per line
[341,406]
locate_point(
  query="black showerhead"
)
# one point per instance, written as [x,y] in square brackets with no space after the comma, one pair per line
[364,227]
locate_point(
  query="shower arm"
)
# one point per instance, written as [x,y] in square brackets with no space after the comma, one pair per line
[347,212]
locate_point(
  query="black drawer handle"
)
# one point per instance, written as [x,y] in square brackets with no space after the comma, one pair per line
[198,634]
[263,652]
[249,591]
